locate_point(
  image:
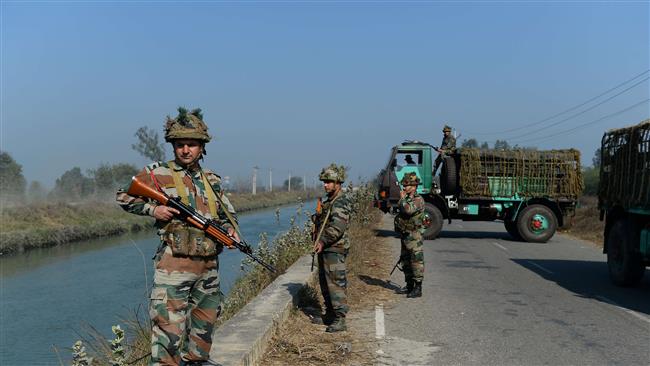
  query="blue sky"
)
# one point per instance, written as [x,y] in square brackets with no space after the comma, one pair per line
[293,86]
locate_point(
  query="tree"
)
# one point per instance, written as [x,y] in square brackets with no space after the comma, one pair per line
[36,192]
[596,159]
[591,177]
[72,185]
[472,143]
[12,181]
[296,183]
[501,145]
[148,144]
[107,178]
[485,145]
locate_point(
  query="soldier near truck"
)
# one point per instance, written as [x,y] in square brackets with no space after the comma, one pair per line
[186,296]
[447,146]
[409,223]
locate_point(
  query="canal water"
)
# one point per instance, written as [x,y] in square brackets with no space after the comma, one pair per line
[48,297]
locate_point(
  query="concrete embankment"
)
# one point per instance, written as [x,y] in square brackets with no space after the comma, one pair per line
[243,339]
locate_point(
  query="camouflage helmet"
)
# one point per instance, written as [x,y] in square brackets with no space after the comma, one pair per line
[333,173]
[187,126]
[410,179]
[447,128]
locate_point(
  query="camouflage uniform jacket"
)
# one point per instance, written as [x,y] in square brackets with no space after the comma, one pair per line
[411,212]
[448,144]
[194,187]
[334,236]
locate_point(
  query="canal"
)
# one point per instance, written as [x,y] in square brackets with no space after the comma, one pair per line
[48,297]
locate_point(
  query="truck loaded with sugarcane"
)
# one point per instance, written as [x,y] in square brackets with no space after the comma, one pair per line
[533,192]
[624,201]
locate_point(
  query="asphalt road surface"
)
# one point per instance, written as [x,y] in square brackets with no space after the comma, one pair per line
[489,300]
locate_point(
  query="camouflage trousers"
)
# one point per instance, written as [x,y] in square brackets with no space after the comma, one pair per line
[333,282]
[185,303]
[412,256]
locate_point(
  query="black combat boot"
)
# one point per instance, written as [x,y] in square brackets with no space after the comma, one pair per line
[338,325]
[417,290]
[324,319]
[406,289]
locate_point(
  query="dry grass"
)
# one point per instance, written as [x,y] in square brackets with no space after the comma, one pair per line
[586,223]
[303,343]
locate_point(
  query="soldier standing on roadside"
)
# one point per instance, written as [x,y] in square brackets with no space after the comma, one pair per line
[447,146]
[409,222]
[332,247]
[186,296]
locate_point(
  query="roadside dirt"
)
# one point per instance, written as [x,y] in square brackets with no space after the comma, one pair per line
[301,342]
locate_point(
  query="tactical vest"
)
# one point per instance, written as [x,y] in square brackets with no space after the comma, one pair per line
[183,239]
[404,223]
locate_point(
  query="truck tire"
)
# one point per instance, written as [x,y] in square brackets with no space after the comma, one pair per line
[448,176]
[431,232]
[536,224]
[625,265]
[511,228]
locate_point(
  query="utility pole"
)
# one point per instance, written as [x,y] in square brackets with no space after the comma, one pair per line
[289,181]
[255,179]
[270,180]
[304,182]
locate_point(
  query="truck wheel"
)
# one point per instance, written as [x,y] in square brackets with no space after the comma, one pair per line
[511,228]
[536,224]
[448,176]
[435,218]
[625,265]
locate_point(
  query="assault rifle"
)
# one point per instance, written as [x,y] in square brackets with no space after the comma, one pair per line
[397,265]
[189,215]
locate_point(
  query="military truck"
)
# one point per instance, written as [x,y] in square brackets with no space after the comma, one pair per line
[532,192]
[624,201]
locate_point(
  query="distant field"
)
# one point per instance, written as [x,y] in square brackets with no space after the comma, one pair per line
[50,224]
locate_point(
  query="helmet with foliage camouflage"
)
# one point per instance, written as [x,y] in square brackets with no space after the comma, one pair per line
[333,173]
[410,179]
[186,126]
[447,128]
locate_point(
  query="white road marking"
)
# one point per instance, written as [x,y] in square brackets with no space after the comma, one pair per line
[540,267]
[500,246]
[631,312]
[380,330]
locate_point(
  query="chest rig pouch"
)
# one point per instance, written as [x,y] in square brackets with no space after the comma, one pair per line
[186,240]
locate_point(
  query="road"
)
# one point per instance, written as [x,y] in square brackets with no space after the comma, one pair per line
[489,300]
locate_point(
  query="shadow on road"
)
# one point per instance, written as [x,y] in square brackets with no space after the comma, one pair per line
[386,233]
[476,235]
[590,279]
[379,282]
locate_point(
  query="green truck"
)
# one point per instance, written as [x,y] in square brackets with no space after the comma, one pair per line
[624,201]
[532,192]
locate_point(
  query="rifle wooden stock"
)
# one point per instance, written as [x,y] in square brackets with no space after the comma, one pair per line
[188,214]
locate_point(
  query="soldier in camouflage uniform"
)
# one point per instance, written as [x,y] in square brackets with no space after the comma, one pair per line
[447,146]
[409,223]
[186,296]
[332,246]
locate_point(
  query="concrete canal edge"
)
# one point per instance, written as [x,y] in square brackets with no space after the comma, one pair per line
[243,339]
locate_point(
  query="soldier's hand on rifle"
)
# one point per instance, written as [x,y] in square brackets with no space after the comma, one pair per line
[164,213]
[318,247]
[234,234]
[402,193]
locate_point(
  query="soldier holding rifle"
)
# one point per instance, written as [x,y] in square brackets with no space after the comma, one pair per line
[186,296]
[331,244]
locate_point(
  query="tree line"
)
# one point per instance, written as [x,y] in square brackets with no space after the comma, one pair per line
[72,185]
